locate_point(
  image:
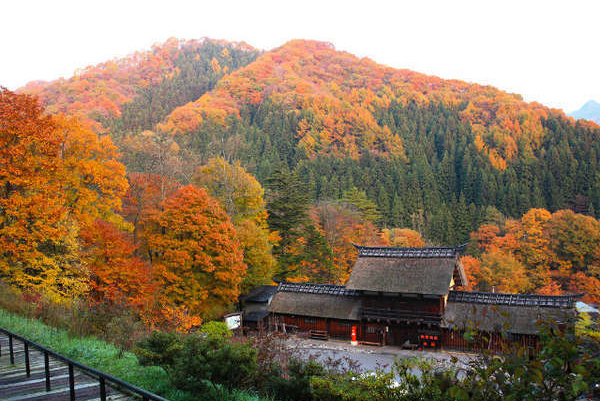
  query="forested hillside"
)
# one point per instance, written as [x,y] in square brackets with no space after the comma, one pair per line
[294,154]
[142,88]
[426,150]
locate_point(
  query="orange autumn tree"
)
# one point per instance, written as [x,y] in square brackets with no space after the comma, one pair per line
[32,217]
[192,240]
[142,199]
[93,180]
[543,252]
[116,275]
[58,178]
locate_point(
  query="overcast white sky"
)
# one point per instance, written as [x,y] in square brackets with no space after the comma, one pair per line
[548,51]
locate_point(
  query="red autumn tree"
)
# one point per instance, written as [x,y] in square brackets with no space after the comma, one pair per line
[116,274]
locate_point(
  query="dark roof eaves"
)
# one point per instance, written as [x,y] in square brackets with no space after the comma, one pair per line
[498,298]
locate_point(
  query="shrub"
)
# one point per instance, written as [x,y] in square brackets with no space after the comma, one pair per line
[295,385]
[217,330]
[197,362]
[353,387]
[203,361]
[159,349]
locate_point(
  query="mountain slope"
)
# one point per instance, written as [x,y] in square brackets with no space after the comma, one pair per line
[343,93]
[589,111]
[440,156]
[142,79]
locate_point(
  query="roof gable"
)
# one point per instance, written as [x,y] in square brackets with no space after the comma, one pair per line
[406,270]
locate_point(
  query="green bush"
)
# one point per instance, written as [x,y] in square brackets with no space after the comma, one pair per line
[214,329]
[352,387]
[207,360]
[198,361]
[159,349]
[294,384]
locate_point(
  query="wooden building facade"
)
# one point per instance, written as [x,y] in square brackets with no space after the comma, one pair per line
[407,297]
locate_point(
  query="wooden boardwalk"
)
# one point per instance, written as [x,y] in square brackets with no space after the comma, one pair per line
[15,385]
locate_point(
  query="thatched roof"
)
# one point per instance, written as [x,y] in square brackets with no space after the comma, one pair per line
[291,301]
[406,270]
[502,318]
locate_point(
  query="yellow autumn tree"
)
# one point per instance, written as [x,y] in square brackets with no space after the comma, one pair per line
[402,237]
[241,195]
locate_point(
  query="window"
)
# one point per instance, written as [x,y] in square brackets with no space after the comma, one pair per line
[309,320]
[344,324]
[371,329]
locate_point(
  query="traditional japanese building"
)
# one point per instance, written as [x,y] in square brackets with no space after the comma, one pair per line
[407,297]
[255,306]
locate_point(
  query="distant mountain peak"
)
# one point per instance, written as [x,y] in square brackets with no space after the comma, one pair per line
[589,111]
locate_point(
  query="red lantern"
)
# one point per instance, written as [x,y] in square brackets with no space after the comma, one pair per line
[425,344]
[433,344]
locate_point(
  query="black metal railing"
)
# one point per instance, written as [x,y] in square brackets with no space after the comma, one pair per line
[103,378]
[401,315]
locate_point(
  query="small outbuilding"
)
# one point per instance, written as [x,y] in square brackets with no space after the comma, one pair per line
[255,306]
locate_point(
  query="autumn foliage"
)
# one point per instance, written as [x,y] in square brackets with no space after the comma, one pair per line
[349,151]
[58,177]
[336,95]
[102,90]
[192,242]
[543,252]
[116,274]
[241,196]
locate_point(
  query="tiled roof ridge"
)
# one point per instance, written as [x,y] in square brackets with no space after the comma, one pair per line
[498,298]
[394,252]
[312,288]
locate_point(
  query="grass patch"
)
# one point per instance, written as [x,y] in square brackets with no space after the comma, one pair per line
[105,357]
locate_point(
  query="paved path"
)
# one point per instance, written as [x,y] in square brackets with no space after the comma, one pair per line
[15,385]
[372,357]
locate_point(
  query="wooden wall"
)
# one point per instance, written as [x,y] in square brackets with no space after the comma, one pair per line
[495,342]
[341,329]
[430,305]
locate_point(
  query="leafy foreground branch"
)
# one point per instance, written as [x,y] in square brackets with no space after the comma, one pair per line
[108,358]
